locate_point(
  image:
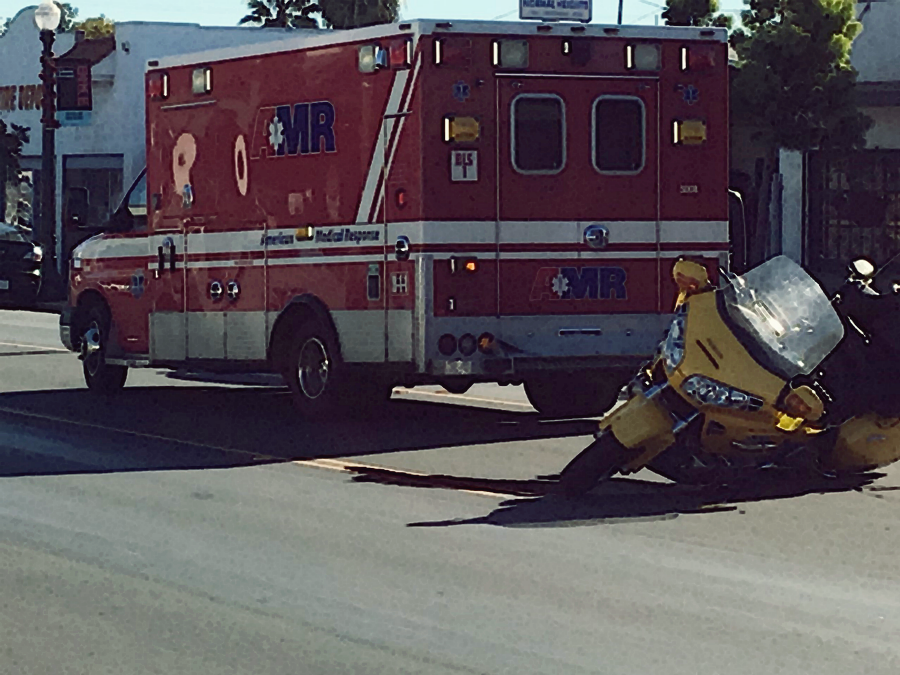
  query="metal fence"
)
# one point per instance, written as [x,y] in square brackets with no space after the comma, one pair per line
[854,209]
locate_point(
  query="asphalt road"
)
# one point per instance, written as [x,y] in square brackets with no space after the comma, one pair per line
[194,526]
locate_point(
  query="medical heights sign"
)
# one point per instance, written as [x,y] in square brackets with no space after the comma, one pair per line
[556,10]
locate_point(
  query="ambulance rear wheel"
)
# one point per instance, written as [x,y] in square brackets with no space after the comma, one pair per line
[573,395]
[101,377]
[314,371]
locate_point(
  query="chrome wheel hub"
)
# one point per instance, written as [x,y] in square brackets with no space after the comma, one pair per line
[313,368]
[92,348]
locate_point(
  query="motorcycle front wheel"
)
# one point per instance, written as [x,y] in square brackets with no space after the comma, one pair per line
[598,462]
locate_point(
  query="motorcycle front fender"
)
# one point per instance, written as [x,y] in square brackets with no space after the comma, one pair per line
[644,426]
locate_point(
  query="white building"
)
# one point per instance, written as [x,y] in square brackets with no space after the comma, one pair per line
[834,210]
[107,154]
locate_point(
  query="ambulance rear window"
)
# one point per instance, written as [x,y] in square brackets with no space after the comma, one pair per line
[619,134]
[538,133]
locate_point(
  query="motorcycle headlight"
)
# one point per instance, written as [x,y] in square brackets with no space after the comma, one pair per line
[673,345]
[705,391]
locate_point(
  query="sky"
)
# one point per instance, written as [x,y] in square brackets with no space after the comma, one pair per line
[229,12]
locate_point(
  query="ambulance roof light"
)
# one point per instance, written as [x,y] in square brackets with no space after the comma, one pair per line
[400,53]
[510,53]
[201,80]
[453,52]
[373,57]
[698,57]
[643,56]
[366,59]
[382,57]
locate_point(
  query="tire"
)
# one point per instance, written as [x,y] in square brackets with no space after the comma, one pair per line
[315,372]
[571,395]
[598,462]
[101,377]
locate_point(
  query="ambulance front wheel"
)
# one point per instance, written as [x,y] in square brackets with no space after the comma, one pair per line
[101,377]
[574,395]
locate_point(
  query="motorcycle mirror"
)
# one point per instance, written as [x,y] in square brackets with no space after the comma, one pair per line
[690,276]
[803,402]
[863,268]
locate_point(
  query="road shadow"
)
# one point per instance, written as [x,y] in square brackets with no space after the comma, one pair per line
[617,500]
[183,427]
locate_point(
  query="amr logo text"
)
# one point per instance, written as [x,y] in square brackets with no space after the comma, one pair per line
[584,283]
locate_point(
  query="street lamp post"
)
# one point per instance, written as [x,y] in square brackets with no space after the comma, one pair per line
[47,17]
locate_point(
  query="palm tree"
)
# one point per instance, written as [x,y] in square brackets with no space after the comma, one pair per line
[281,13]
[356,13]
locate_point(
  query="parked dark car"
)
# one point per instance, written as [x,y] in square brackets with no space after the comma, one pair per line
[20,266]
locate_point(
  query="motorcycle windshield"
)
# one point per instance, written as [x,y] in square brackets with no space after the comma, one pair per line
[785,317]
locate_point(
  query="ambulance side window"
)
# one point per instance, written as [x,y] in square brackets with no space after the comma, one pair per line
[538,133]
[619,134]
[137,203]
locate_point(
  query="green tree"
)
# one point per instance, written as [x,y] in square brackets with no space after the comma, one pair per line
[69,17]
[356,13]
[12,139]
[282,13]
[695,13]
[97,27]
[794,82]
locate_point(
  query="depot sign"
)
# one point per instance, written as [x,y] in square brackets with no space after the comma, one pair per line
[556,10]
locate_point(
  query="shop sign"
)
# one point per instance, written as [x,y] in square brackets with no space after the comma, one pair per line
[20,97]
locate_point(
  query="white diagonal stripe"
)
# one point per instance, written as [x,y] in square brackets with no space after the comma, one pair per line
[376,165]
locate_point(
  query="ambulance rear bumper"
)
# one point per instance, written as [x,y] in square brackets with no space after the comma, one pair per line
[505,368]
[535,344]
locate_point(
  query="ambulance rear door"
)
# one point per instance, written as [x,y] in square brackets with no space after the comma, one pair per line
[578,213]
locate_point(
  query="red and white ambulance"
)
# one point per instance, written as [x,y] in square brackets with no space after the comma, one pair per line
[423,202]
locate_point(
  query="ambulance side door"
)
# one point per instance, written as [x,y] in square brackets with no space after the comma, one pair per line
[166,273]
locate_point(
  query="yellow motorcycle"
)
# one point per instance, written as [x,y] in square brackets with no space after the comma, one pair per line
[763,373]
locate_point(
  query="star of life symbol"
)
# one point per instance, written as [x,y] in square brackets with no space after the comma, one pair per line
[461,91]
[690,94]
[276,133]
[560,285]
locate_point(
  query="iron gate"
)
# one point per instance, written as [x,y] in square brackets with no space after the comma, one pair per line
[854,210]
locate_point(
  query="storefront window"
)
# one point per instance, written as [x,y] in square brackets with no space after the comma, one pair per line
[101,176]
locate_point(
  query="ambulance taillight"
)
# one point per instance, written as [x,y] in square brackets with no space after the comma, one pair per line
[158,86]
